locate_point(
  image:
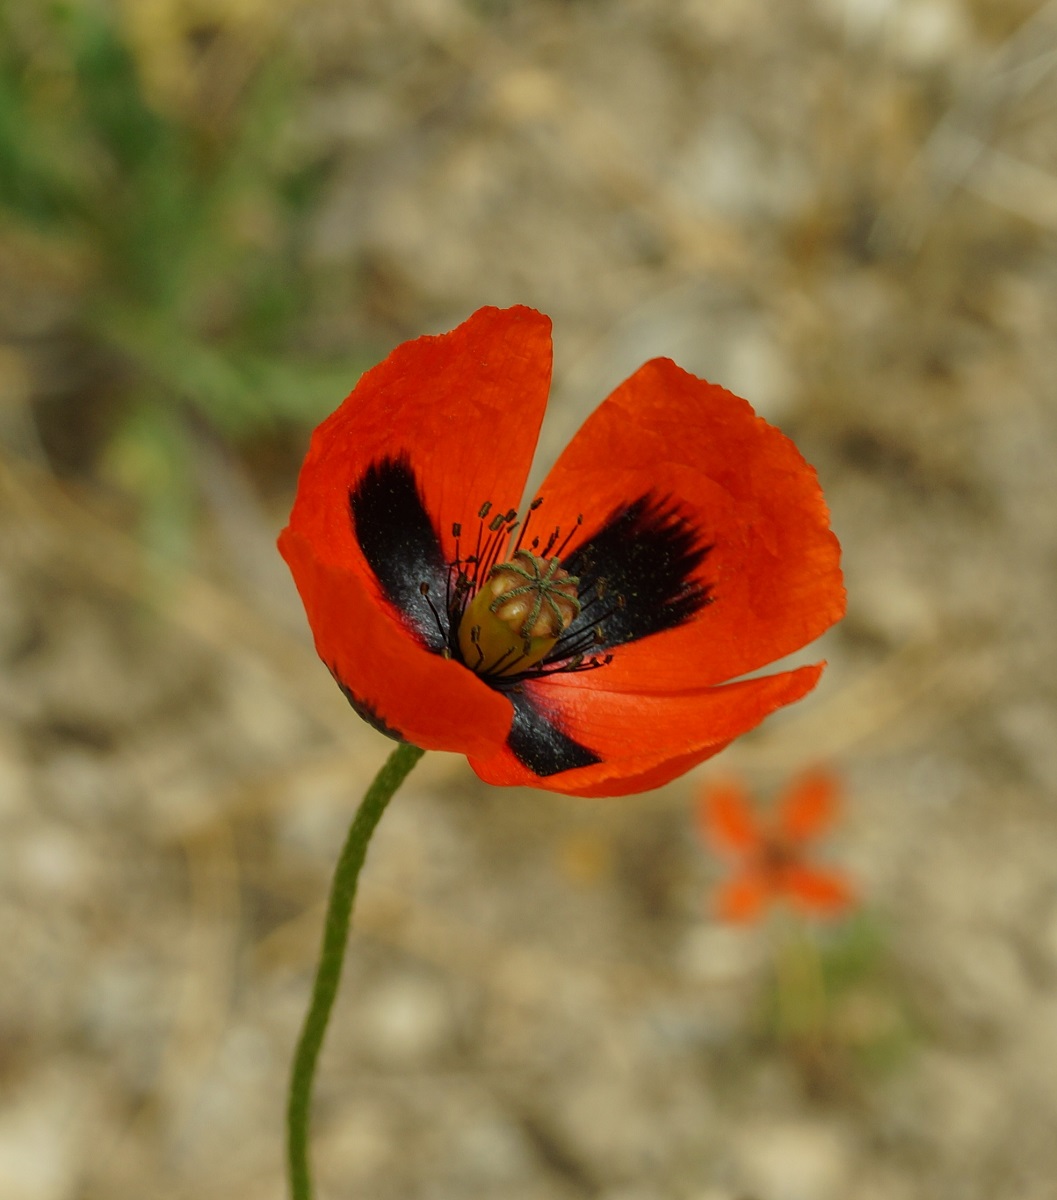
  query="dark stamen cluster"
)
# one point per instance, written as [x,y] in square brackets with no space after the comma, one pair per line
[498,540]
[638,572]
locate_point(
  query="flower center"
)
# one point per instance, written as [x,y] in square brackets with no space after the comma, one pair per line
[518,614]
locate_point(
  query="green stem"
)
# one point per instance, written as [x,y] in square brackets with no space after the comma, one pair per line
[801,986]
[328,973]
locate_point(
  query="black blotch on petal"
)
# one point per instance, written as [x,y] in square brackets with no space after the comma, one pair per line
[364,710]
[636,574]
[400,544]
[538,742]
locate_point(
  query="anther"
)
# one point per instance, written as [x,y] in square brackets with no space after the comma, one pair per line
[569,536]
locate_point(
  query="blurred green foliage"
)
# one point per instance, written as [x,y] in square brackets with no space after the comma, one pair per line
[184,223]
[870,1016]
[834,1001]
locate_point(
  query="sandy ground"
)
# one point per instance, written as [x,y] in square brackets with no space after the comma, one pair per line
[844,210]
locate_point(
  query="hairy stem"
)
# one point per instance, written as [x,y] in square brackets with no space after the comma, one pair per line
[328,973]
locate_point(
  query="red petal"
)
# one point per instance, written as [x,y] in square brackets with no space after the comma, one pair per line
[823,892]
[809,806]
[644,741]
[726,818]
[743,898]
[431,701]
[774,564]
[465,407]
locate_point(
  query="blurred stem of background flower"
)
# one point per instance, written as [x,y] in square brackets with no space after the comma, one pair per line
[800,1002]
[151,184]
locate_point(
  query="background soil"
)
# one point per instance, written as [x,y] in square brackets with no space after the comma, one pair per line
[846,211]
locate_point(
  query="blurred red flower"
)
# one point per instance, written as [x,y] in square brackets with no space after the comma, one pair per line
[769,852]
[679,542]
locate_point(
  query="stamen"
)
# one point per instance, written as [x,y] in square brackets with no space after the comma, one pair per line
[570,667]
[555,534]
[569,536]
[475,638]
[495,544]
[524,528]
[475,557]
[499,662]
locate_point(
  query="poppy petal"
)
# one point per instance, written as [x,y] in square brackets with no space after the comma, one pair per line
[809,806]
[396,535]
[404,688]
[642,741]
[726,818]
[636,577]
[460,412]
[744,897]
[818,890]
[741,489]
[537,739]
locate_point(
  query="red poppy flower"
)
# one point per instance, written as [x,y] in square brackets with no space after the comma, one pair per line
[770,853]
[679,542]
